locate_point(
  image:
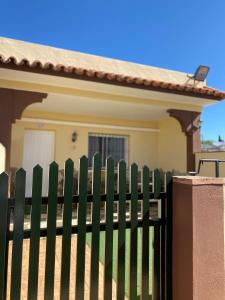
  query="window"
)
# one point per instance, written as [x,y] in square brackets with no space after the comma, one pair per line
[107,145]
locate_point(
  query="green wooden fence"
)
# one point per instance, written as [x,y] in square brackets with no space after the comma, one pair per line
[128,216]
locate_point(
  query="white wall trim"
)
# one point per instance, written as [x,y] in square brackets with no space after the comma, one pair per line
[81,124]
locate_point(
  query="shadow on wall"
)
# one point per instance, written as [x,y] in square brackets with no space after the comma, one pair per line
[2,158]
[178,173]
[75,181]
[89,183]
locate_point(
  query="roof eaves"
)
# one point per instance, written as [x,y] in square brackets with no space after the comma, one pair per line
[88,74]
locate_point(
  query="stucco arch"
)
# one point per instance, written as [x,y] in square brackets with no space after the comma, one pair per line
[190,125]
[13,103]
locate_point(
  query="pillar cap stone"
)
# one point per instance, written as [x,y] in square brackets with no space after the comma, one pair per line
[198,180]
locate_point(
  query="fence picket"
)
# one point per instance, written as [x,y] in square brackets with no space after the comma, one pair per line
[35,234]
[156,263]
[121,231]
[168,235]
[133,233]
[67,227]
[94,280]
[145,235]
[157,183]
[162,226]
[51,233]
[163,245]
[4,181]
[109,230]
[17,248]
[81,235]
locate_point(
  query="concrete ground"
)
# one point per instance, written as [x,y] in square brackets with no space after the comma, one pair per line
[57,271]
[153,213]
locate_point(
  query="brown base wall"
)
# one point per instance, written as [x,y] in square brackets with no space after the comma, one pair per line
[198,239]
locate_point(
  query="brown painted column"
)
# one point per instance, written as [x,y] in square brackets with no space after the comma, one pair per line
[198,238]
[12,104]
[190,124]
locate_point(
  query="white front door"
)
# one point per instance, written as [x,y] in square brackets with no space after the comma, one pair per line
[39,148]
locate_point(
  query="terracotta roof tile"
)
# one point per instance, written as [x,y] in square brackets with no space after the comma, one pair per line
[139,82]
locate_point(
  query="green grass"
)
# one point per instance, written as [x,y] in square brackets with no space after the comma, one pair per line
[115,243]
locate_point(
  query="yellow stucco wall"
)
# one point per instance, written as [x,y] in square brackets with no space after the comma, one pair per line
[171,146]
[165,149]
[142,146]
[208,169]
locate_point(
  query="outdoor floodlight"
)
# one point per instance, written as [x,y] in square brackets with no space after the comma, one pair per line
[201,73]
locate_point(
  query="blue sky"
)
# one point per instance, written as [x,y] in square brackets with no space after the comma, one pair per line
[177,35]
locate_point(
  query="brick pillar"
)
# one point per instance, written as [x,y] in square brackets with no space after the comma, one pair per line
[198,238]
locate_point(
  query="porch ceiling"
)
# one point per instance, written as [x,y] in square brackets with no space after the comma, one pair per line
[69,86]
[98,107]
[80,97]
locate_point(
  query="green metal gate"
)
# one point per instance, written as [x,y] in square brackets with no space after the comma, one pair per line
[126,211]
